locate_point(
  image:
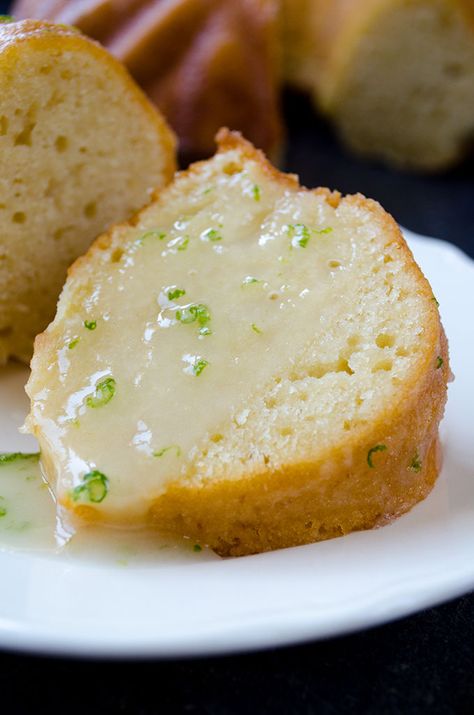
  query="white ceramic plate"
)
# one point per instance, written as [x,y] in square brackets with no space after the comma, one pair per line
[177,607]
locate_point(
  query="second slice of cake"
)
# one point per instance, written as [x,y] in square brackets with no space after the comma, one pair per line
[247,363]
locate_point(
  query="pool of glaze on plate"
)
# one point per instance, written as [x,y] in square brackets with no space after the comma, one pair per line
[28,524]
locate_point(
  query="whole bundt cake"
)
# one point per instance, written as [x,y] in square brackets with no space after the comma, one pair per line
[205,63]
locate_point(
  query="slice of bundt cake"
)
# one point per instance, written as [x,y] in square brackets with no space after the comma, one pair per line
[247,363]
[205,63]
[396,77]
[80,147]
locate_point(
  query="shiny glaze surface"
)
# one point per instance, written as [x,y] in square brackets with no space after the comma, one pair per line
[260,264]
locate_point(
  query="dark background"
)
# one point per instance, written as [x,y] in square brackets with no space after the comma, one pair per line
[418,665]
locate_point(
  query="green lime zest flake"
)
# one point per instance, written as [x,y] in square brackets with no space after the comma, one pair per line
[208,190]
[195,364]
[164,450]
[94,487]
[256,192]
[299,234]
[211,234]
[256,329]
[3,509]
[6,18]
[73,343]
[183,243]
[248,280]
[159,235]
[69,28]
[199,366]
[195,312]
[9,457]
[104,391]
[377,448]
[174,292]
[416,464]
[435,301]
[90,324]
[439,362]
[197,548]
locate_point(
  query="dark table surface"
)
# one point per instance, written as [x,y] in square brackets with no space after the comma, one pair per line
[421,664]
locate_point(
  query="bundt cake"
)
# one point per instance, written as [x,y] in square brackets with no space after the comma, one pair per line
[80,147]
[395,76]
[206,63]
[246,363]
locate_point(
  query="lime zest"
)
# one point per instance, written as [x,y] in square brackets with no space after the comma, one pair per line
[183,244]
[195,312]
[248,280]
[377,448]
[256,192]
[199,366]
[416,463]
[154,233]
[9,457]
[104,391]
[164,450]
[299,234]
[211,234]
[94,487]
[174,292]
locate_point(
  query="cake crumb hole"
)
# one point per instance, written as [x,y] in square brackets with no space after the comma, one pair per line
[385,365]
[19,217]
[402,352]
[24,137]
[90,209]
[385,340]
[116,256]
[232,168]
[61,144]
